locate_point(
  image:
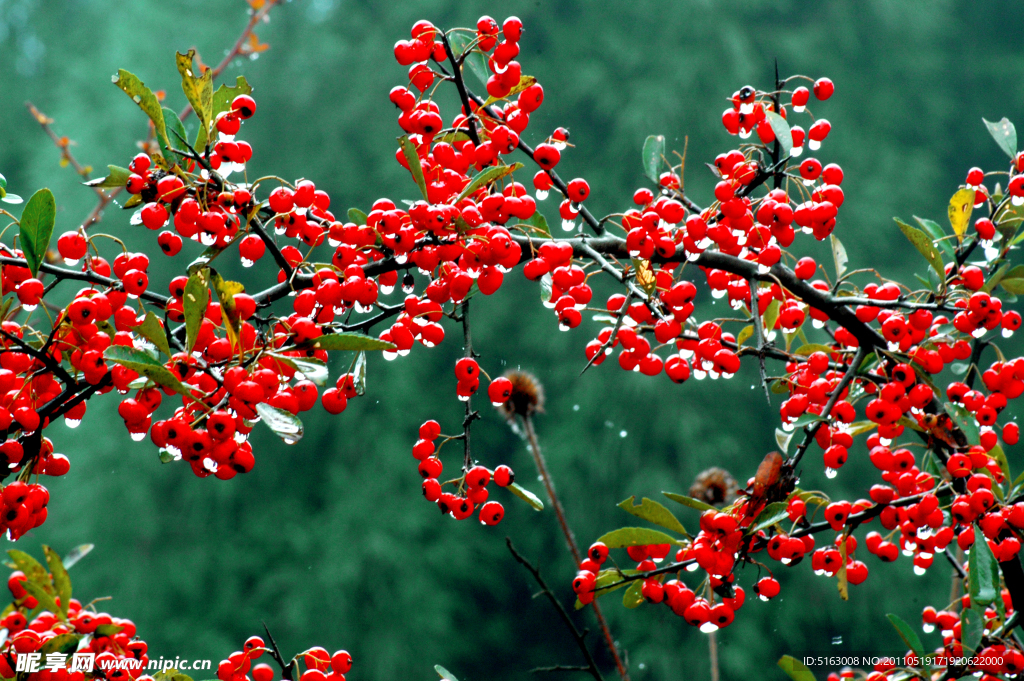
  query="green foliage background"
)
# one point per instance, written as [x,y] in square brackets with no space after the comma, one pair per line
[328,541]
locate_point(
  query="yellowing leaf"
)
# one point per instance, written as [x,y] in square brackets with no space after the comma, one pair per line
[960,207]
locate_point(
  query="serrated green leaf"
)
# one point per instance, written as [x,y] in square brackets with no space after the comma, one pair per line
[634,597]
[486,176]
[983,572]
[795,669]
[689,501]
[349,341]
[526,495]
[36,228]
[1004,134]
[142,363]
[654,149]
[117,177]
[782,131]
[964,421]
[653,512]
[924,246]
[194,303]
[145,99]
[61,581]
[413,160]
[152,330]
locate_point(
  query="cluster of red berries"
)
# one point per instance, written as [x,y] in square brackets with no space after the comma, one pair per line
[472,493]
[23,505]
[320,665]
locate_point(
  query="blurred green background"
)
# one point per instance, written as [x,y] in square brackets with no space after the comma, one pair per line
[328,541]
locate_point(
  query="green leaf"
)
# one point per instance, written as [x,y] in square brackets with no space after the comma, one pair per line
[607,578]
[486,176]
[745,333]
[285,425]
[118,177]
[198,89]
[37,227]
[194,303]
[964,421]
[809,349]
[689,501]
[526,495]
[924,246]
[1013,281]
[654,149]
[62,643]
[546,288]
[444,673]
[359,373]
[983,572]
[796,669]
[226,292]
[176,137]
[45,598]
[357,216]
[108,630]
[61,581]
[7,197]
[999,455]
[771,315]
[142,363]
[204,259]
[634,536]
[312,368]
[76,554]
[634,597]
[1004,134]
[539,223]
[972,626]
[806,419]
[413,159]
[171,675]
[908,635]
[782,439]
[349,341]
[145,99]
[32,569]
[222,99]
[782,132]
[152,330]
[524,82]
[960,207]
[996,277]
[476,60]
[773,513]
[839,255]
[653,512]
[938,235]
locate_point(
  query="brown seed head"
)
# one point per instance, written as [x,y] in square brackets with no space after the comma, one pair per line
[715,486]
[527,395]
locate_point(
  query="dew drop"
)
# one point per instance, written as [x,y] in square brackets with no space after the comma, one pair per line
[927,628]
[403,353]
[979,332]
[279,230]
[207,239]
[692,567]
[745,134]
[763,269]
[817,324]
[389,355]
[799,109]
[718,294]
[709,627]
[569,225]
[796,151]
[1017,200]
[1007,333]
[763,598]
[558,144]
[813,144]
[831,473]
[408,288]
[623,433]
[575,407]
[72,423]
[463,398]
[247,263]
[28,308]
[70,262]
[402,258]
[387,290]
[289,441]
[919,571]
[542,194]
[138,437]
[563,326]
[333,243]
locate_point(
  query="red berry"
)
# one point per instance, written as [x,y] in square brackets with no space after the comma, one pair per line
[503,476]
[823,88]
[244,106]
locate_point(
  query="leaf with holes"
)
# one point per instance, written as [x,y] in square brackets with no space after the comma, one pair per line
[36,228]
[654,149]
[285,424]
[1004,134]
[145,99]
[653,512]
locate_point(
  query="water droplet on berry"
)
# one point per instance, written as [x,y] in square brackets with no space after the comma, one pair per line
[796,151]
[718,294]
[814,144]
[1007,333]
[763,269]
[799,109]
[386,290]
[402,258]
[692,567]
[247,263]
[558,145]
[745,134]
[542,194]
[979,332]
[1017,200]
[72,423]
[569,225]
[388,355]
[831,473]
[207,239]
[709,627]
[919,571]
[699,374]
[138,437]
[132,296]
[289,441]
[70,262]
[28,308]
[818,324]
[279,230]
[927,628]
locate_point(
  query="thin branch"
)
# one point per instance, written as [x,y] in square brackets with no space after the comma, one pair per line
[811,431]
